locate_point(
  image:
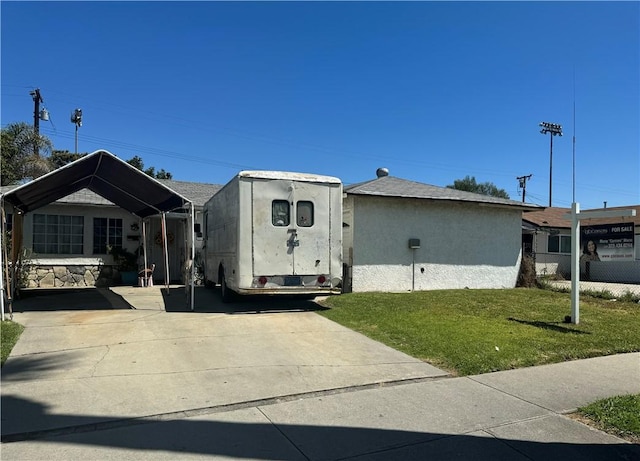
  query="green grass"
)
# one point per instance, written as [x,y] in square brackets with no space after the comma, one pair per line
[617,415]
[10,332]
[479,331]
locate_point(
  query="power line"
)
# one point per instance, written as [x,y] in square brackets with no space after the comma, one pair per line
[191,124]
[137,149]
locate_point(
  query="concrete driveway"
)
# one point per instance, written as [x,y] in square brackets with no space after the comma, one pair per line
[95,356]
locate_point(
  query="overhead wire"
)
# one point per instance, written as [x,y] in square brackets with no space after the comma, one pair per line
[191,124]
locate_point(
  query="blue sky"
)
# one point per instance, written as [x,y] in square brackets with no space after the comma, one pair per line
[434,91]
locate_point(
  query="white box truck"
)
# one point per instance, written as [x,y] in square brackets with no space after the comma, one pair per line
[274,232]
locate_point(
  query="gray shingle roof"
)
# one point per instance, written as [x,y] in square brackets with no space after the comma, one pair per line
[199,193]
[390,186]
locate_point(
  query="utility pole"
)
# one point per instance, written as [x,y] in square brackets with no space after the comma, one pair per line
[37,99]
[523,184]
[554,129]
[76,119]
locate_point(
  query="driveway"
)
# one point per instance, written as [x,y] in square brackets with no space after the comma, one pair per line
[96,356]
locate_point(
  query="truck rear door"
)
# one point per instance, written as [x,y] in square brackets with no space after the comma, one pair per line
[290,228]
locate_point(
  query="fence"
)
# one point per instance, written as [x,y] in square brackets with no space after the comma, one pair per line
[615,278]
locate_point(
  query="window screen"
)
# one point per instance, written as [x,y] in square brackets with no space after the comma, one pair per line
[280,213]
[304,213]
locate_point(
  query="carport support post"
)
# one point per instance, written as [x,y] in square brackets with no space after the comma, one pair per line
[144,250]
[165,248]
[192,232]
[2,261]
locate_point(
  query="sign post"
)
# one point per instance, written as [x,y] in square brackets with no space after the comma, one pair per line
[576,216]
[575,263]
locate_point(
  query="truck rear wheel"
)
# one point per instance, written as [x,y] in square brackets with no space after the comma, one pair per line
[225,292]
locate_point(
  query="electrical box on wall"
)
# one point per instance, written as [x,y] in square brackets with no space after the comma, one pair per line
[414,243]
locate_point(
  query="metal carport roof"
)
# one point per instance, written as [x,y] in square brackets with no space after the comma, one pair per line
[106,175]
[110,177]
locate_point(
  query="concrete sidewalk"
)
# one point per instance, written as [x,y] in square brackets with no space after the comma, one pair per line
[153,385]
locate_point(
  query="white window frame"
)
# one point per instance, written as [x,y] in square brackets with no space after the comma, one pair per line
[561,238]
[57,234]
[114,235]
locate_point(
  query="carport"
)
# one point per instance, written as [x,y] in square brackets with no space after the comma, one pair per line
[115,180]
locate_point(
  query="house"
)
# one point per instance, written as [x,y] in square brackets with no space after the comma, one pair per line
[400,235]
[66,239]
[546,235]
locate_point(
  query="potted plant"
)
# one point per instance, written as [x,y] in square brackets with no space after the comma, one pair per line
[126,262]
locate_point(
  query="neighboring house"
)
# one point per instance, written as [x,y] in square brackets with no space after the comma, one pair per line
[546,235]
[66,240]
[401,235]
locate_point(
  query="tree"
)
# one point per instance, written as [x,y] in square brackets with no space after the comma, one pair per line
[137,162]
[60,158]
[469,184]
[21,151]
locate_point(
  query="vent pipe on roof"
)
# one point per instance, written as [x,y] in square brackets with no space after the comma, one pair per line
[380,172]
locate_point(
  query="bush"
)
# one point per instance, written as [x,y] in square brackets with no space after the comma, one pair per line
[527,274]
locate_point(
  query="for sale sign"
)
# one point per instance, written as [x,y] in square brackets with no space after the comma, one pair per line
[607,242]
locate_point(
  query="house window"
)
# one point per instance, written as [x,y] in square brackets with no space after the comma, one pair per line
[106,232]
[304,213]
[58,234]
[280,213]
[559,244]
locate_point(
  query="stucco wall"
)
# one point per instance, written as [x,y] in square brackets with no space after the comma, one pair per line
[461,245]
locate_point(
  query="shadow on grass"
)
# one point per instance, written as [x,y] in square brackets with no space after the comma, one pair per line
[553,326]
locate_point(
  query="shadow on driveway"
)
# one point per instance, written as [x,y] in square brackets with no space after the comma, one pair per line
[249,434]
[208,300]
[63,299]
[173,299]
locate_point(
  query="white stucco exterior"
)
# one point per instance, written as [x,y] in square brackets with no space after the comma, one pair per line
[462,245]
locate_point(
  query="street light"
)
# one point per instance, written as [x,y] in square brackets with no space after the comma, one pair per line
[76,119]
[554,129]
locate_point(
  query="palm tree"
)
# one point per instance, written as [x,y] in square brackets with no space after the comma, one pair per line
[24,154]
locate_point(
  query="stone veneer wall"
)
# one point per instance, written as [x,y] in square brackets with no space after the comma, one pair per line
[69,276]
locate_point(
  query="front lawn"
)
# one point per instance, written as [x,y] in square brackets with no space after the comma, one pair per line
[618,415]
[478,331]
[10,332]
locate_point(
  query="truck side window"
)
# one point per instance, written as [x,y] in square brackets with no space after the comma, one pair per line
[304,213]
[280,213]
